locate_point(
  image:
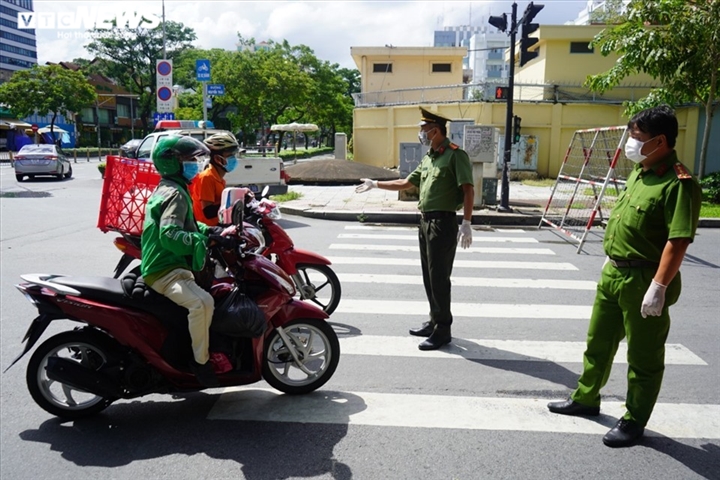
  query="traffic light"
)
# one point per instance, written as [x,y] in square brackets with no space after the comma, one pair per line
[516,128]
[501,93]
[527,28]
[499,22]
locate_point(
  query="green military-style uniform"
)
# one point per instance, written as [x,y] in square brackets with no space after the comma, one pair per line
[657,205]
[440,177]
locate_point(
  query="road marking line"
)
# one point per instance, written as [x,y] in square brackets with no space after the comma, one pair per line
[471,282]
[477,310]
[476,238]
[673,420]
[507,350]
[414,248]
[495,265]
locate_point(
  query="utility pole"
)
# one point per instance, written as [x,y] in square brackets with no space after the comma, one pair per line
[163,26]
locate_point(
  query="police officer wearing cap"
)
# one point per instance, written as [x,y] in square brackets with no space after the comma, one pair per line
[444,178]
[648,232]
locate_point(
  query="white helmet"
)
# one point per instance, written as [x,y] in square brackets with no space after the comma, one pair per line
[221,142]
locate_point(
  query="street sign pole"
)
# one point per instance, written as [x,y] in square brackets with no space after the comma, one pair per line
[204,101]
[505,186]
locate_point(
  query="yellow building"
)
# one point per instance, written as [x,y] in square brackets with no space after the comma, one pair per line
[549,97]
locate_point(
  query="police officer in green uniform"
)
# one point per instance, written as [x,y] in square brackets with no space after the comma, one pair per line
[648,232]
[444,178]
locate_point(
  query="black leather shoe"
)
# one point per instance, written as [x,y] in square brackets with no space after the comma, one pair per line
[435,341]
[205,374]
[624,434]
[425,331]
[571,407]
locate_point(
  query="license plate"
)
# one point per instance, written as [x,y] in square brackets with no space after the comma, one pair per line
[254,188]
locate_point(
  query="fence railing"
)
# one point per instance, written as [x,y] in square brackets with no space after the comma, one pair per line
[485,92]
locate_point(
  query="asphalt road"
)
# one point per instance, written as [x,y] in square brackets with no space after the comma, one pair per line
[473,411]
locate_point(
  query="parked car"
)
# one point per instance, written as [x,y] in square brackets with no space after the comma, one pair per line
[45,159]
[128,149]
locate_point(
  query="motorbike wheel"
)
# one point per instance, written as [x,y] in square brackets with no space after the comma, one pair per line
[58,398]
[320,286]
[318,351]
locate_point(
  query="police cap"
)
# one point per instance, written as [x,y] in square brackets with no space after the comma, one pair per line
[429,117]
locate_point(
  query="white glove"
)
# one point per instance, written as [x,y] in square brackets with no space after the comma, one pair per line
[366,185]
[654,300]
[465,234]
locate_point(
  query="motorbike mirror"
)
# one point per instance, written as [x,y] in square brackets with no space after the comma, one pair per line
[265,191]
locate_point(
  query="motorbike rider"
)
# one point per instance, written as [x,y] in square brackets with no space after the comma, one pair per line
[207,187]
[174,245]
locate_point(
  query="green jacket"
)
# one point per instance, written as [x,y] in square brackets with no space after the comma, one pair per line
[171,237]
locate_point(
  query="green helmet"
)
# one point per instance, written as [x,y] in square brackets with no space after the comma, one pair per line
[171,151]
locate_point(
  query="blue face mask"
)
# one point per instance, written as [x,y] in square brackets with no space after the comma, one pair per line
[231,163]
[190,169]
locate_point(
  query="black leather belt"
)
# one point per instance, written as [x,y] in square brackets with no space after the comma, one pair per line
[436,215]
[633,263]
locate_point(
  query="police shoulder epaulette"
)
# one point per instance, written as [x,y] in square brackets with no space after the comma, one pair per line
[453,146]
[681,172]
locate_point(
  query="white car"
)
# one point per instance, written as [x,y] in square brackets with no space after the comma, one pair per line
[34,160]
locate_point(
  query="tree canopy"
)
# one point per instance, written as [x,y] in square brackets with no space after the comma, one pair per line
[675,41]
[48,89]
[278,83]
[128,55]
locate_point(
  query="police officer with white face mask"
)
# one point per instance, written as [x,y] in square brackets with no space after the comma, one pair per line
[648,232]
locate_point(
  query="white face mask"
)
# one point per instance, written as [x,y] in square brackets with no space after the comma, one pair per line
[633,148]
[423,137]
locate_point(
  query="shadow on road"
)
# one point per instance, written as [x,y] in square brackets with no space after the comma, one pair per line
[144,430]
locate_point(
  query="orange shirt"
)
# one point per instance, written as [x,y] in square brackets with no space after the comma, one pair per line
[207,186]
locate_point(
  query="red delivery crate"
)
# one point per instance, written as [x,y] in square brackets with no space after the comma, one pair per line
[127,186]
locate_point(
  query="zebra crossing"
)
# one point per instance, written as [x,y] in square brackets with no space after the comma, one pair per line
[385,259]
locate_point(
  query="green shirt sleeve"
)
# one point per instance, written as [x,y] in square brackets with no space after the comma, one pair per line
[463,168]
[414,177]
[682,209]
[177,240]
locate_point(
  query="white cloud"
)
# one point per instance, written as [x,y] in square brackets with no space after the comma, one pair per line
[330,28]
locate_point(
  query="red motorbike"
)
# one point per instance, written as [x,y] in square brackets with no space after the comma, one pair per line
[314,280]
[133,341]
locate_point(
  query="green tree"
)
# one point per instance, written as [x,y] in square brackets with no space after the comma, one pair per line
[128,55]
[610,12]
[675,41]
[47,89]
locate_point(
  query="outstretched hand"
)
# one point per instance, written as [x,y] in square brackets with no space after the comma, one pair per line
[366,185]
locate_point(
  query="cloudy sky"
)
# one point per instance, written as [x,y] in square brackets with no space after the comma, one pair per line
[330,28]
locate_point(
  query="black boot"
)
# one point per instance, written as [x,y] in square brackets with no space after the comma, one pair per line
[571,407]
[436,340]
[424,331]
[624,434]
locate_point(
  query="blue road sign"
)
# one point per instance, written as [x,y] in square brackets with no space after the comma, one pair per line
[163,116]
[215,89]
[202,70]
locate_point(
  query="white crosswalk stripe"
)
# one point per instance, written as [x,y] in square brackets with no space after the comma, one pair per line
[484,264]
[473,310]
[414,248]
[476,238]
[450,412]
[361,263]
[470,282]
[525,350]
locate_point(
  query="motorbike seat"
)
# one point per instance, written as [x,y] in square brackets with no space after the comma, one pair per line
[129,291]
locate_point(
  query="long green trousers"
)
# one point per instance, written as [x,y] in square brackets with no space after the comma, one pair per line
[615,315]
[438,242]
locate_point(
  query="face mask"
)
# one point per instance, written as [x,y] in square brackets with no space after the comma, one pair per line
[231,163]
[423,137]
[190,169]
[633,148]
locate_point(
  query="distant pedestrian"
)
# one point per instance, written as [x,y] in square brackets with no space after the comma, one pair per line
[444,178]
[648,232]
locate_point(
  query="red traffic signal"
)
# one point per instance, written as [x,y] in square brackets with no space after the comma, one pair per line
[501,93]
